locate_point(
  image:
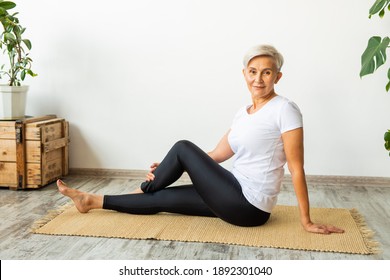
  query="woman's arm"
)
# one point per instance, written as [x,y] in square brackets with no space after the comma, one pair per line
[293,146]
[222,151]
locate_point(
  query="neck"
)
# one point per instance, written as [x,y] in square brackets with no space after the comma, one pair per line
[261,101]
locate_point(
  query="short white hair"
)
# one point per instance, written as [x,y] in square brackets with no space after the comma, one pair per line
[264,50]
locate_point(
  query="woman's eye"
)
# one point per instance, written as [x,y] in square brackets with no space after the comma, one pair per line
[267,73]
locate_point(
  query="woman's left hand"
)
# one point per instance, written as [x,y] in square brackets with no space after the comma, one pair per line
[323,229]
[150,176]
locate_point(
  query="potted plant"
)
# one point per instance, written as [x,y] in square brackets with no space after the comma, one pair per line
[13,46]
[375,54]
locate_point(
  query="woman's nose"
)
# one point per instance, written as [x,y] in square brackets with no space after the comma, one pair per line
[258,78]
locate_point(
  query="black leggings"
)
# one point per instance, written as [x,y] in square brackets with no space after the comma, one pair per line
[215,192]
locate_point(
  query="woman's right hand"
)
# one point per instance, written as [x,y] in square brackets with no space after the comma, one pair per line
[150,176]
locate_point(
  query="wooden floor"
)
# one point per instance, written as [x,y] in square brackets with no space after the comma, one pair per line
[19,209]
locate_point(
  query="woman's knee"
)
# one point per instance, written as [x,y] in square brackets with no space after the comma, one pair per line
[183,144]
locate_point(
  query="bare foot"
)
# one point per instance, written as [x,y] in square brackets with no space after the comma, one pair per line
[83,201]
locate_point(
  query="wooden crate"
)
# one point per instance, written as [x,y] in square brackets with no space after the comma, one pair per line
[33,151]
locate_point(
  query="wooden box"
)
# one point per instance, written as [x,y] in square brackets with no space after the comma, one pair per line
[33,151]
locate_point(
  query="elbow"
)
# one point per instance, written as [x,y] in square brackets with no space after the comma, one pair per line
[296,170]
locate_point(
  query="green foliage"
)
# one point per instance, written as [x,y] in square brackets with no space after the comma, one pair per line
[14,46]
[387,140]
[379,7]
[375,54]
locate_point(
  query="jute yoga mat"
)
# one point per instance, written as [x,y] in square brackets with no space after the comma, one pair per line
[283,230]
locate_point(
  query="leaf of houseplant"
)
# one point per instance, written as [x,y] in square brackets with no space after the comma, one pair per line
[388,84]
[27,43]
[375,55]
[387,136]
[23,75]
[7,5]
[9,37]
[387,140]
[382,13]
[2,12]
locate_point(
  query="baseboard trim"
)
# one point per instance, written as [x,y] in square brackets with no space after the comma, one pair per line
[311,179]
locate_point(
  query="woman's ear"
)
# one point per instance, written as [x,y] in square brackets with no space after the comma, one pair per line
[278,77]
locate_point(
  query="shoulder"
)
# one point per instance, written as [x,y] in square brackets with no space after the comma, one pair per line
[290,116]
[283,100]
[286,104]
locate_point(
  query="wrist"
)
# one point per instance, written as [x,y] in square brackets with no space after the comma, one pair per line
[306,222]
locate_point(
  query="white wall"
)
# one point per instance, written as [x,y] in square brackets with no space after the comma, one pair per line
[134,76]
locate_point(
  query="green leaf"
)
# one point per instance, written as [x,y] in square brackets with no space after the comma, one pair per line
[7,5]
[382,13]
[31,73]
[387,140]
[27,43]
[23,75]
[375,55]
[2,12]
[387,136]
[378,6]
[10,47]
[9,37]
[388,84]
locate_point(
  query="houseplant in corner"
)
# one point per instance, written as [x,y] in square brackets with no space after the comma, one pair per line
[375,54]
[13,46]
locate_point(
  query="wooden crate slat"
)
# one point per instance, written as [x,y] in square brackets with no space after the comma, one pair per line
[45,122]
[55,154]
[34,174]
[33,151]
[33,133]
[7,150]
[7,130]
[55,144]
[51,171]
[8,174]
[27,121]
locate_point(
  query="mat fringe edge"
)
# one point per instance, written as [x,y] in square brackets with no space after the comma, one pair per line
[51,214]
[373,246]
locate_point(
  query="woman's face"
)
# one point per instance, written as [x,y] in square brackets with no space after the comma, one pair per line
[261,75]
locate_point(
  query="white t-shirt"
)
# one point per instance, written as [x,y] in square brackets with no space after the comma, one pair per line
[256,140]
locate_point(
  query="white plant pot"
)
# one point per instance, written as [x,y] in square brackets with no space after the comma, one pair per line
[13,100]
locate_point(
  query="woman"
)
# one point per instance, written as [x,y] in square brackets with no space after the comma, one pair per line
[263,137]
